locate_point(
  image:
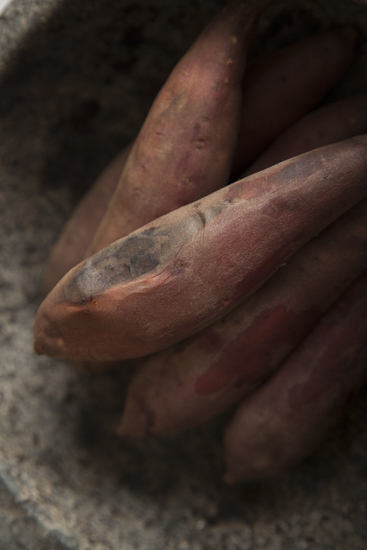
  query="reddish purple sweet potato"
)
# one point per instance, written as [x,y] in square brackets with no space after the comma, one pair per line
[185,148]
[283,421]
[189,383]
[183,271]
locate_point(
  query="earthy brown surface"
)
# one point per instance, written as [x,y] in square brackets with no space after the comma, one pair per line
[75,90]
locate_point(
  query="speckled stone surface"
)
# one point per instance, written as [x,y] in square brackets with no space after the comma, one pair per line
[76,80]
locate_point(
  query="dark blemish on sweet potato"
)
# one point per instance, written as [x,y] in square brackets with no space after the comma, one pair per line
[201,216]
[142,263]
[247,359]
[199,133]
[178,266]
[282,175]
[200,144]
[150,231]
[173,102]
[215,210]
[212,342]
[143,252]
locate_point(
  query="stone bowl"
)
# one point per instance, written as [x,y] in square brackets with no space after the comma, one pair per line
[77,79]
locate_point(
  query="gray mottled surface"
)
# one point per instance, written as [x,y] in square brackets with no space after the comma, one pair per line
[76,80]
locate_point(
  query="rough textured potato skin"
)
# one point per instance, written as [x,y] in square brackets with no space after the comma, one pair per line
[188,384]
[283,421]
[205,259]
[185,148]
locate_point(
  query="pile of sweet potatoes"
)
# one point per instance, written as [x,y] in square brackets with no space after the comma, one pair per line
[249,292]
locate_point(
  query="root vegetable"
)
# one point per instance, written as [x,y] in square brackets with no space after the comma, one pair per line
[283,421]
[334,122]
[183,271]
[284,86]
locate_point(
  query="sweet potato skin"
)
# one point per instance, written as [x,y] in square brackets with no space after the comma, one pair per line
[281,423]
[185,148]
[188,384]
[333,122]
[282,87]
[178,274]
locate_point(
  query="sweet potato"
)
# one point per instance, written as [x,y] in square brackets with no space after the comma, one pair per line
[188,384]
[285,419]
[185,148]
[183,271]
[334,122]
[270,78]
[280,88]
[78,233]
